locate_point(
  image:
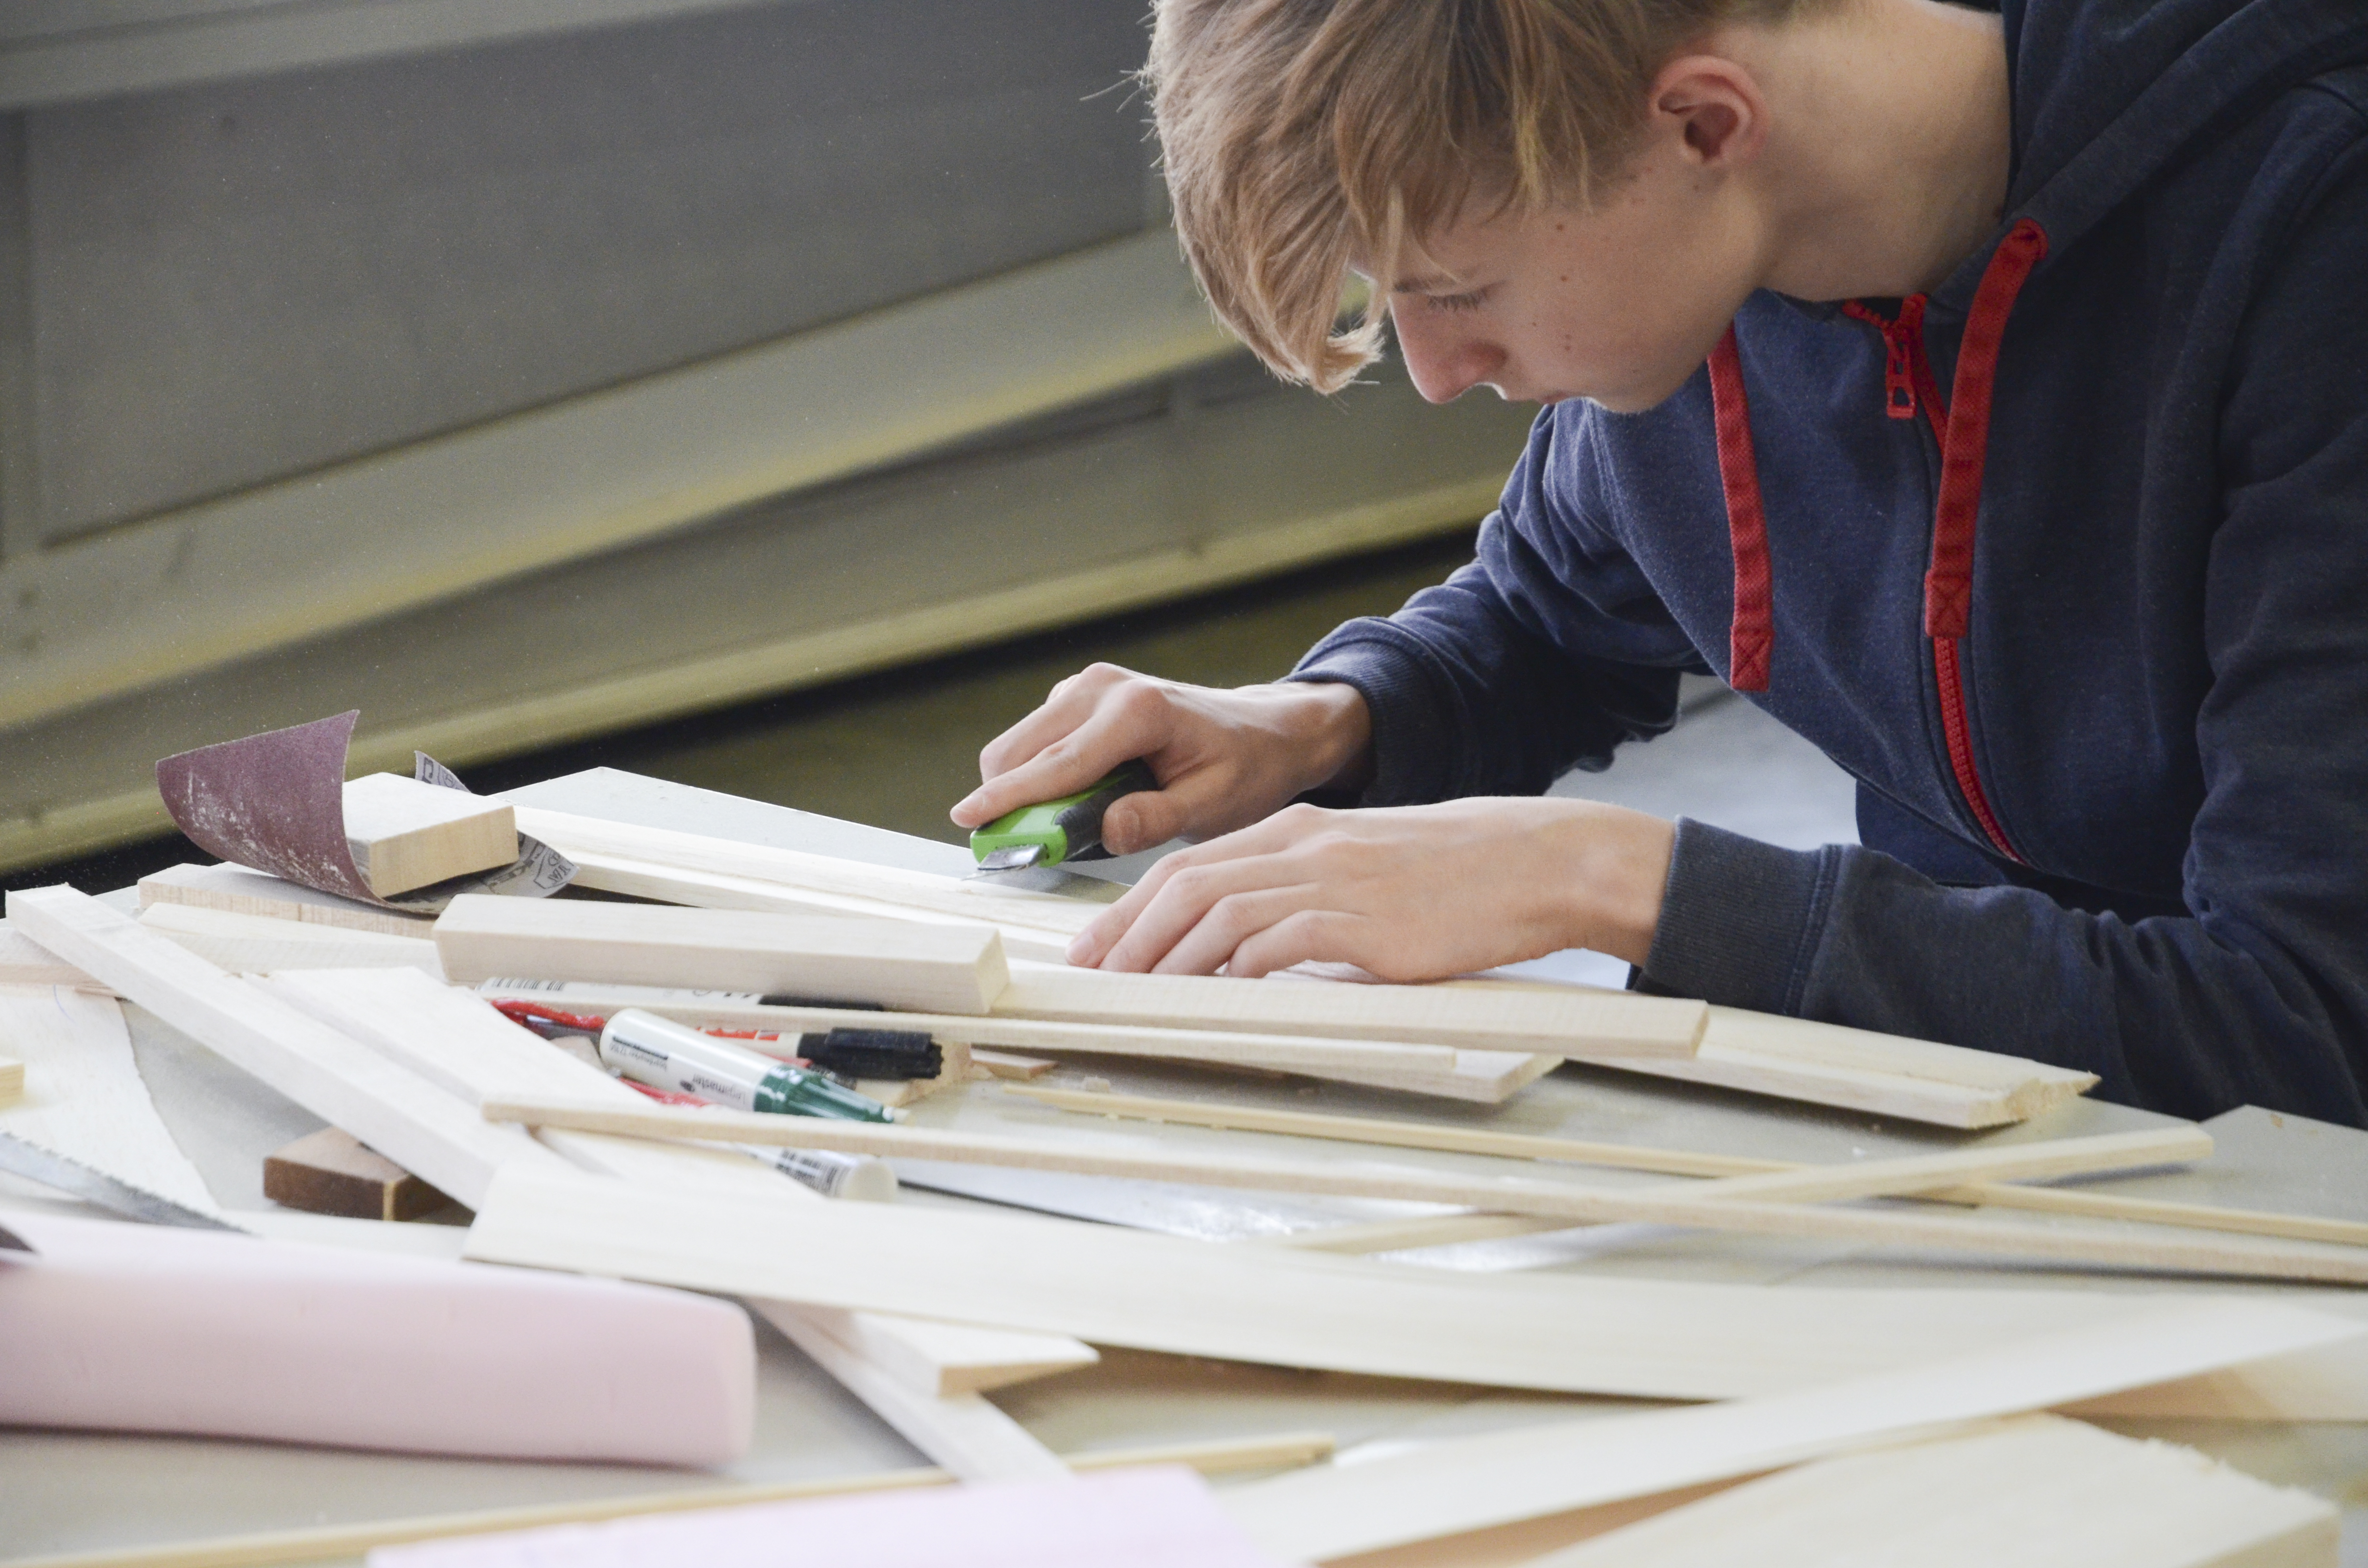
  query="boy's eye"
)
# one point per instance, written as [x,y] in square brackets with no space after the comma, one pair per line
[1458,301]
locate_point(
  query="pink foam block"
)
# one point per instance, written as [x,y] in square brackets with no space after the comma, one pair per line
[139,1328]
[1129,1519]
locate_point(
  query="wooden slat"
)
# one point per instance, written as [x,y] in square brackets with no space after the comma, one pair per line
[2036,1492]
[917,891]
[1573,1333]
[944,968]
[237,891]
[1568,1022]
[12,1080]
[1988,1162]
[257,944]
[952,1357]
[24,962]
[709,890]
[81,1095]
[1444,1489]
[962,1432]
[1681,1162]
[2236,1255]
[403,1115]
[1485,1076]
[276,1548]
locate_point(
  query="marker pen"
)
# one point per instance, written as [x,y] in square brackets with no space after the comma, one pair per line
[667,1055]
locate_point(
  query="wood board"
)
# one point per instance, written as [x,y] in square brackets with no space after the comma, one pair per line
[257,944]
[916,890]
[711,889]
[455,1040]
[406,1118]
[1564,1333]
[320,1543]
[1445,1489]
[405,834]
[1559,1021]
[1683,1161]
[942,969]
[239,890]
[82,1095]
[2033,1491]
[2247,1256]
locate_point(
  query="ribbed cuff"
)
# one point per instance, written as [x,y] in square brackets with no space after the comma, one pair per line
[1739,920]
[1412,735]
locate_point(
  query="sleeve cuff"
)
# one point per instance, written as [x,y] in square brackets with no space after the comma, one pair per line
[1739,920]
[1412,733]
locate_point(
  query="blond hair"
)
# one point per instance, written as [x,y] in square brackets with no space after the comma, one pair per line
[1302,137]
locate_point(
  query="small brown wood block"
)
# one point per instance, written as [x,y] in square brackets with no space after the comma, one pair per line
[329,1172]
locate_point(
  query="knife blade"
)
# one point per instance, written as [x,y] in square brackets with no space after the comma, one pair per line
[114,1194]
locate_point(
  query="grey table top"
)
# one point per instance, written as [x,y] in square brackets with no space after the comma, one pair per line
[62,1491]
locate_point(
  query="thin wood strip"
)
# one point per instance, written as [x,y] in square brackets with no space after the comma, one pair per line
[570,834]
[255,944]
[1407,1235]
[238,891]
[1468,1483]
[1573,1023]
[2034,1490]
[12,1080]
[2237,1256]
[1986,1162]
[1486,1077]
[274,1547]
[712,890]
[24,962]
[1676,1161]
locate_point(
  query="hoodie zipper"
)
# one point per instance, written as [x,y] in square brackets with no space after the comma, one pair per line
[1961,426]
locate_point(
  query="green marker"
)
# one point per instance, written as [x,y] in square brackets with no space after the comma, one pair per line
[667,1055]
[1053,831]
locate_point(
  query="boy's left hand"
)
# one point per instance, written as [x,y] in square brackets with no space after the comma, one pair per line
[1411,892]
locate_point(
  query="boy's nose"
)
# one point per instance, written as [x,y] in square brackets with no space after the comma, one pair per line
[1444,363]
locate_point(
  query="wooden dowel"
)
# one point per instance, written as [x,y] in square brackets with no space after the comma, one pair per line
[2239,1255]
[1678,1162]
[1992,1161]
[1283,1451]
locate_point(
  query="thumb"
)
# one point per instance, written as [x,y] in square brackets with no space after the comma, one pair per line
[1147,818]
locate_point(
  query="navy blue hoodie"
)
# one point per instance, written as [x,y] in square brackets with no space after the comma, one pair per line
[2067,564]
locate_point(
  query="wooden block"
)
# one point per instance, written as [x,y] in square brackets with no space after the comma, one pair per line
[237,891]
[401,1115]
[2248,1256]
[1683,1161]
[945,969]
[1988,1161]
[257,944]
[1563,1022]
[24,962]
[580,837]
[2037,1492]
[1576,1334]
[12,1080]
[82,1095]
[1003,1064]
[710,890]
[405,834]
[329,1172]
[1446,1489]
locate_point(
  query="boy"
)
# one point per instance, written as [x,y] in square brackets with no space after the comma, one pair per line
[1985,397]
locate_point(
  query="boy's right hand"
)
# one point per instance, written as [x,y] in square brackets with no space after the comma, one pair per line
[1224,759]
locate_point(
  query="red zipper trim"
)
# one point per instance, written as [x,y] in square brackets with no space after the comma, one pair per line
[1751,636]
[1962,427]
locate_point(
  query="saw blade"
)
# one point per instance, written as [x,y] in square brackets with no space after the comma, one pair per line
[111,1193]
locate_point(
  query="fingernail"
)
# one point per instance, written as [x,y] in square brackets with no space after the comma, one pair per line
[1080,951]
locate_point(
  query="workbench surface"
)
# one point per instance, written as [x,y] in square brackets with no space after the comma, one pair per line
[72,1491]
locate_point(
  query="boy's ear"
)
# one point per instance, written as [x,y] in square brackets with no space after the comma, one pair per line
[1712,107]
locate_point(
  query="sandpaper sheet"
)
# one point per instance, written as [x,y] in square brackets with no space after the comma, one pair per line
[276,802]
